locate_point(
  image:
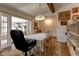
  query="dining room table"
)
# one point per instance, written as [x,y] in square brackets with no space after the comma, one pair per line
[39,37]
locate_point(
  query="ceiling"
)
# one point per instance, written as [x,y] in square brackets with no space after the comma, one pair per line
[33,8]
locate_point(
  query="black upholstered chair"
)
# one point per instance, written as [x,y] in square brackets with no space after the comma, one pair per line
[20,42]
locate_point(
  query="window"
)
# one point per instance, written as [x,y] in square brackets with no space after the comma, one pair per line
[3,29]
[21,24]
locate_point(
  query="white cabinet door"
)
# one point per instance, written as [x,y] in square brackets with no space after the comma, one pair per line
[61,34]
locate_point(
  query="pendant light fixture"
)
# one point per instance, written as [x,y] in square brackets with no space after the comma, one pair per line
[40,16]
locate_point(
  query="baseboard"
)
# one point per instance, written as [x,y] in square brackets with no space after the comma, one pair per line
[61,41]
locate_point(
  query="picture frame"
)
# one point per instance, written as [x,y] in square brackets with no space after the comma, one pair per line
[35,25]
[64,22]
[75,10]
[65,15]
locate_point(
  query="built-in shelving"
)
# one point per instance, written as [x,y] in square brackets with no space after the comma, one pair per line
[73,35]
[73,32]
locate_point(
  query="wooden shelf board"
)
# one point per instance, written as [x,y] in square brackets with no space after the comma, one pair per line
[74,34]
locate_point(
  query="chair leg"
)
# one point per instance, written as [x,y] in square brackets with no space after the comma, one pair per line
[25,53]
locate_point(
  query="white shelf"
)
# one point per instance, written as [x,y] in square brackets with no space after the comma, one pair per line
[77,49]
[75,14]
[72,52]
[73,22]
[74,33]
[73,42]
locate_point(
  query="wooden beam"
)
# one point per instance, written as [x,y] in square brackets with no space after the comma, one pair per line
[51,7]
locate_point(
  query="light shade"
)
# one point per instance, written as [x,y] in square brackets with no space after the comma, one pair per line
[40,17]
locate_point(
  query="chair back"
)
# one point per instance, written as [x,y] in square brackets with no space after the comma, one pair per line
[18,39]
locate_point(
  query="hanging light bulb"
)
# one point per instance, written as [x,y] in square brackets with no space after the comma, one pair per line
[40,16]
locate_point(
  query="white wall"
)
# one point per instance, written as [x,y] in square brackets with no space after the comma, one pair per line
[49,25]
